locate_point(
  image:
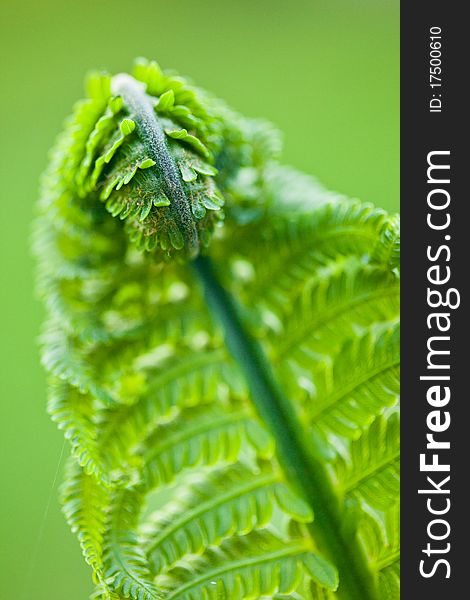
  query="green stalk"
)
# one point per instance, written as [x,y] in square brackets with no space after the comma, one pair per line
[304,471]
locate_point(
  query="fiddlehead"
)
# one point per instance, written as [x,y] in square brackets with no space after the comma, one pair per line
[152,174]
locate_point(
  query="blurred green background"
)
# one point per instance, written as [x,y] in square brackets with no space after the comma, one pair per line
[325,71]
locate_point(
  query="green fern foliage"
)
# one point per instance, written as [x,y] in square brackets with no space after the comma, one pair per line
[233,431]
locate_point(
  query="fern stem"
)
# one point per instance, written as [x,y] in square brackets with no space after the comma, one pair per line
[303,469]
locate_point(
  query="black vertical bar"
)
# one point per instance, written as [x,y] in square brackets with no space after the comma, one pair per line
[423,132]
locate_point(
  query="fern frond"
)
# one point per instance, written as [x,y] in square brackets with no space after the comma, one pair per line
[229,501]
[185,385]
[207,433]
[196,438]
[249,567]
[387,250]
[84,505]
[338,300]
[370,471]
[380,535]
[73,412]
[302,244]
[356,385]
[126,568]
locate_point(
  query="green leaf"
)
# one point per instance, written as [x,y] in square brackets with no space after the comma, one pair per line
[166,101]
[84,505]
[248,567]
[184,136]
[233,500]
[126,569]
